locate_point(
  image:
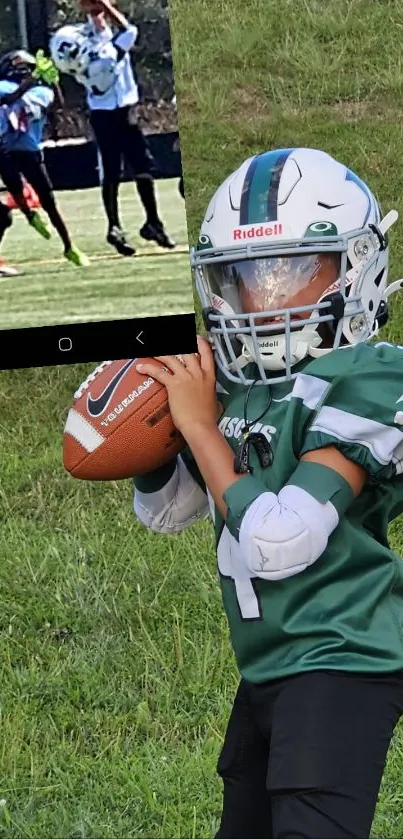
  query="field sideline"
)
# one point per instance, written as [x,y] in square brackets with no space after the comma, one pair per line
[115,665]
[154,282]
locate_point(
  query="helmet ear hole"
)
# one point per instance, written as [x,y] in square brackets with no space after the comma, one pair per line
[382,315]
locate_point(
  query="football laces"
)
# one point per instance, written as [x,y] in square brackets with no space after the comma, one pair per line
[91,378]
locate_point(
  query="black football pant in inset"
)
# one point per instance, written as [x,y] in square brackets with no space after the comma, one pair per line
[5,220]
[11,176]
[32,166]
[303,757]
[118,140]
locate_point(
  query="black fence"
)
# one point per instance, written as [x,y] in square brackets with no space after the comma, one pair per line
[75,165]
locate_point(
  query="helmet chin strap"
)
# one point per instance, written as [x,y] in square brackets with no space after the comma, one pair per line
[387,221]
[392,288]
[302,341]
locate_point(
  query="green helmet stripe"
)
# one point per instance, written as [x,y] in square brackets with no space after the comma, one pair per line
[260,191]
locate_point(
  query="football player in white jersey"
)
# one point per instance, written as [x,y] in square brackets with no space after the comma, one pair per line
[99,58]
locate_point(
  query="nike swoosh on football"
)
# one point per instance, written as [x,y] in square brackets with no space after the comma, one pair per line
[97,406]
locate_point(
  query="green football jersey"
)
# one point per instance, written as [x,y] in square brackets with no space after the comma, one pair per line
[345,611]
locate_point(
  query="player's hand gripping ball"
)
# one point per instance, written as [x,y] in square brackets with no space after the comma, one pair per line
[119,425]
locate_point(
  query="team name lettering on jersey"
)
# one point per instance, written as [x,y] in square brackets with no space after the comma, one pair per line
[231,427]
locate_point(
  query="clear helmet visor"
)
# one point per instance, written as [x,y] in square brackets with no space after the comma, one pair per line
[272,284]
[275,309]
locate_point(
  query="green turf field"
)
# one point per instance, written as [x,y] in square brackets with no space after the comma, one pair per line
[115,666]
[51,290]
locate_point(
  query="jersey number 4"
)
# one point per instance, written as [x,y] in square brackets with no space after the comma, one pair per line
[232,567]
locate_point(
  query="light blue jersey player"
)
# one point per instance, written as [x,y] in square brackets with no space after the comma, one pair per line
[23,143]
[13,122]
[24,122]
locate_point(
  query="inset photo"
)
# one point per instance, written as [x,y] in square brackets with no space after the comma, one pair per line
[92,211]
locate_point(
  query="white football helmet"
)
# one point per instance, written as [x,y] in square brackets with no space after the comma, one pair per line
[266,235]
[65,46]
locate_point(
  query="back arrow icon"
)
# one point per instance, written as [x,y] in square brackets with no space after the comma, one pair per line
[139,338]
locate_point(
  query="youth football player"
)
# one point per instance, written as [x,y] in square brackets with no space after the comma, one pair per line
[22,144]
[295,441]
[103,66]
[11,177]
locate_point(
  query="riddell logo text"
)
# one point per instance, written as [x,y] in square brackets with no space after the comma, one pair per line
[258,232]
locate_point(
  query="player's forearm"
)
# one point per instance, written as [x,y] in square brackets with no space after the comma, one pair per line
[215,460]
[12,98]
[114,15]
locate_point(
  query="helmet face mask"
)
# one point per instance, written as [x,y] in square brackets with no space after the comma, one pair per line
[272,299]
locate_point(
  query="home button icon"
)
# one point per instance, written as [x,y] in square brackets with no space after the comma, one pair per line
[65,344]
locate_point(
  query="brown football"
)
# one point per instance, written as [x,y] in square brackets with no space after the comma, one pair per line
[119,425]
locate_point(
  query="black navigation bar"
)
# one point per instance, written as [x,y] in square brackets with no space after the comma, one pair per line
[48,346]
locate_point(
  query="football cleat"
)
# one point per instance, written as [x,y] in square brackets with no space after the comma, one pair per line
[118,240]
[35,221]
[7,270]
[77,257]
[156,233]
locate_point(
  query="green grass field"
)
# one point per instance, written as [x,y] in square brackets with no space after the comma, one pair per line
[50,290]
[115,666]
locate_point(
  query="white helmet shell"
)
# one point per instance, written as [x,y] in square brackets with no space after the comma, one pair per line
[65,47]
[284,203]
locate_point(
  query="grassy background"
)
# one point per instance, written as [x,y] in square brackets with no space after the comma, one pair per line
[115,666]
[52,291]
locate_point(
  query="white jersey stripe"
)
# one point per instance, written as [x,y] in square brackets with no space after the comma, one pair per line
[381,440]
[310,389]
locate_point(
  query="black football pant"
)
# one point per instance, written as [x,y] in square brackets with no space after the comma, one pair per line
[119,139]
[10,174]
[303,757]
[32,165]
[5,220]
